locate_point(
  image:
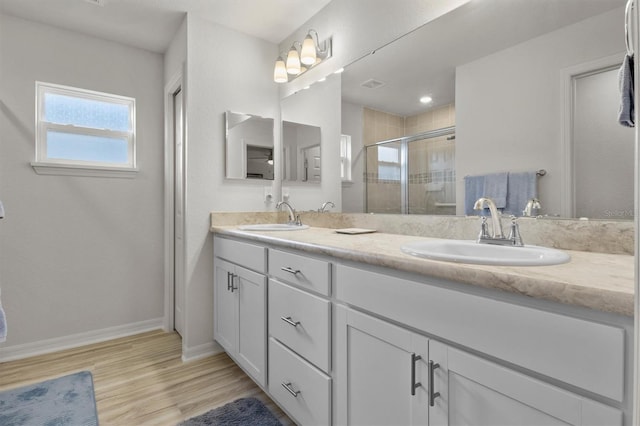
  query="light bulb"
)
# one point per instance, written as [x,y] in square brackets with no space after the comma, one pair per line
[293,61]
[308,51]
[280,71]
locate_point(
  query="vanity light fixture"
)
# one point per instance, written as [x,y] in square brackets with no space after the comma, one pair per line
[311,52]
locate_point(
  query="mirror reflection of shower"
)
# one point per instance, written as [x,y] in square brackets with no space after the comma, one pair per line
[412,175]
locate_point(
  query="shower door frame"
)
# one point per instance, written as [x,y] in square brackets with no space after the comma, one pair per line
[404,165]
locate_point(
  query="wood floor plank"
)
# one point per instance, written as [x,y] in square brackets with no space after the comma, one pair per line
[141,379]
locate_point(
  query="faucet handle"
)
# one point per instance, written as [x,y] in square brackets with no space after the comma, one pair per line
[484,229]
[514,233]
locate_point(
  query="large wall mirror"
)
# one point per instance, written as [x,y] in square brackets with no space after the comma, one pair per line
[249,146]
[301,152]
[514,86]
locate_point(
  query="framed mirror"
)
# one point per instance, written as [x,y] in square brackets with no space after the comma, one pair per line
[301,152]
[503,78]
[249,146]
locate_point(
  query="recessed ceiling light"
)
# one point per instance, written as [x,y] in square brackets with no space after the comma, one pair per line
[425,99]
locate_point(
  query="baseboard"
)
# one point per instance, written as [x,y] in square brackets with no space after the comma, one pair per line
[73,341]
[201,351]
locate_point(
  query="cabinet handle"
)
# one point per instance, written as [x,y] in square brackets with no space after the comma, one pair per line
[414,385]
[432,395]
[233,287]
[289,389]
[289,321]
[229,279]
[290,270]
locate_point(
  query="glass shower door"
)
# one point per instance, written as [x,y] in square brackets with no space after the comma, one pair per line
[432,176]
[384,177]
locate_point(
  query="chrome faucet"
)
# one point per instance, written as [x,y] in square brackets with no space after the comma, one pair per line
[294,219]
[533,203]
[497,236]
[496,231]
[324,206]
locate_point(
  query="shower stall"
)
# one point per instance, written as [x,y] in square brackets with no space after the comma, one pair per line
[412,175]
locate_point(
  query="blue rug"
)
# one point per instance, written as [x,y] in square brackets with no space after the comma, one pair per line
[65,401]
[241,412]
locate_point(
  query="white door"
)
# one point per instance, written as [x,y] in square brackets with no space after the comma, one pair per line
[603,150]
[380,377]
[252,323]
[473,391]
[179,267]
[225,329]
[311,164]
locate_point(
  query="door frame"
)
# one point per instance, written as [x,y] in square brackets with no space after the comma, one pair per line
[171,282]
[568,76]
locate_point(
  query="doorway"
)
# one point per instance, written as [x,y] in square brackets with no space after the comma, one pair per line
[174,206]
[602,149]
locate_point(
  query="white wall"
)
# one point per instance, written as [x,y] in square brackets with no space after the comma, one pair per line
[509,105]
[226,70]
[320,106]
[352,124]
[77,254]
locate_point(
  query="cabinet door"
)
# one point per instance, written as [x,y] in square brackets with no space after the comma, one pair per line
[473,391]
[225,306]
[380,380]
[252,322]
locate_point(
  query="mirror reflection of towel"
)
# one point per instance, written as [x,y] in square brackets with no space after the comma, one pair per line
[495,187]
[522,187]
[625,83]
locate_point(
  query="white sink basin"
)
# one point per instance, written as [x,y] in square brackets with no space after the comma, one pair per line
[273,227]
[485,254]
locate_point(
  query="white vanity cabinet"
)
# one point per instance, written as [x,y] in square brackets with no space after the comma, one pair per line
[378,358]
[354,344]
[240,297]
[387,374]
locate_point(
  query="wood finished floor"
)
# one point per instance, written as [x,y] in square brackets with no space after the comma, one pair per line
[141,380]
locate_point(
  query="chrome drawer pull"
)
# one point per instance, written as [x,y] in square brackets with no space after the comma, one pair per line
[289,321]
[289,389]
[290,270]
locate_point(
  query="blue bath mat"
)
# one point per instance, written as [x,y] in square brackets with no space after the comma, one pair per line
[65,401]
[241,412]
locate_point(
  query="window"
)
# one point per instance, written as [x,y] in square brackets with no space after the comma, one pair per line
[79,131]
[389,163]
[345,158]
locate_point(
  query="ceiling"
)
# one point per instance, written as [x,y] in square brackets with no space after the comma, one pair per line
[424,61]
[152,24]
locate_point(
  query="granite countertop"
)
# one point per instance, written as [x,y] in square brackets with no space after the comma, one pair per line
[603,282]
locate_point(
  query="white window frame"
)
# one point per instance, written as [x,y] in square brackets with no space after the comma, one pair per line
[45,165]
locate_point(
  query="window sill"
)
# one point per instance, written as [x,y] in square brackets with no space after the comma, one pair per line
[79,170]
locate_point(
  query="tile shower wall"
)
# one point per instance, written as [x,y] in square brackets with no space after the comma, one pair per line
[383,194]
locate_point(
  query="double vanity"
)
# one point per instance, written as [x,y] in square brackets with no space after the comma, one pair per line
[368,329]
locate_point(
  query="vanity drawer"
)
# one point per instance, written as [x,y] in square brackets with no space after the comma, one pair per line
[301,321]
[248,255]
[305,272]
[303,390]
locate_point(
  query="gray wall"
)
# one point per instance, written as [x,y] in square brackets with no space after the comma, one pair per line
[80,257]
